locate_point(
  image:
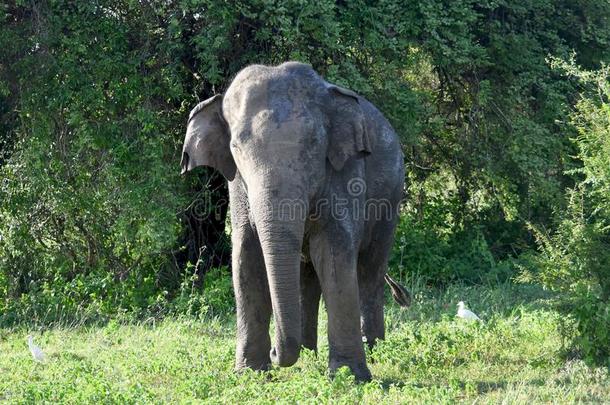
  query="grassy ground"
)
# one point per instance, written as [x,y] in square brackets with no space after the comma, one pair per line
[428,356]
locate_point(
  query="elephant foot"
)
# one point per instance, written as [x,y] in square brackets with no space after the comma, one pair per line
[256,365]
[359,369]
[286,357]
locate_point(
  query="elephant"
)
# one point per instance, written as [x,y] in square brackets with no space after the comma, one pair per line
[316,177]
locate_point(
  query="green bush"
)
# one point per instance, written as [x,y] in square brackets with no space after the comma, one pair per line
[216,299]
[440,255]
[575,259]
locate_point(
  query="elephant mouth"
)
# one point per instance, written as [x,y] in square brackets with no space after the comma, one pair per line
[184,163]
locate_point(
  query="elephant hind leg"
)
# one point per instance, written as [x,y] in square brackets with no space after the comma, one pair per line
[310,303]
[371,302]
[372,267]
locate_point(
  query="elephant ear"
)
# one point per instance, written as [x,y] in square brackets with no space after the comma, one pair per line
[207,139]
[347,135]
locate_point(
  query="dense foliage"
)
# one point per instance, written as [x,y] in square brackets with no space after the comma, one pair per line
[95,219]
[575,258]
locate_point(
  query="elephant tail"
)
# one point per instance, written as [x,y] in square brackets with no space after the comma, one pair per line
[401,295]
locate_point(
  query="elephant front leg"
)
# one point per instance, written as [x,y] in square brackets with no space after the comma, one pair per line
[310,302]
[252,300]
[334,258]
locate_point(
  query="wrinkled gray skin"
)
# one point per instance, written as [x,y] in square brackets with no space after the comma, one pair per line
[284,134]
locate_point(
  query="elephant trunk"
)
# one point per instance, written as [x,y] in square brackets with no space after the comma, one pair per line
[280,228]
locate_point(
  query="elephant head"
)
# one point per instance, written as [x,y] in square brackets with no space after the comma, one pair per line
[283,129]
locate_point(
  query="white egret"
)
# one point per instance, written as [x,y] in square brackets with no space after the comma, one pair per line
[36,351]
[466,313]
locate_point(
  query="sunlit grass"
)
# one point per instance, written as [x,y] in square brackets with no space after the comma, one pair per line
[428,356]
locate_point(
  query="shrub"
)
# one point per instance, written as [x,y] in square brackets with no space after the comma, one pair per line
[575,259]
[216,299]
[440,255]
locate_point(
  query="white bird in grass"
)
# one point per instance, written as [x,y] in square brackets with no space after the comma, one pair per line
[466,313]
[36,351]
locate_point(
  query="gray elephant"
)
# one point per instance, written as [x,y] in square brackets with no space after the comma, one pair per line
[315,180]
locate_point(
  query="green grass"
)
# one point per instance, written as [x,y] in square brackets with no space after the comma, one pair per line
[428,356]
